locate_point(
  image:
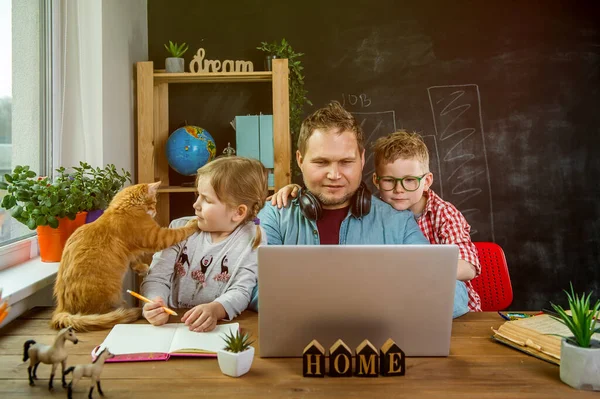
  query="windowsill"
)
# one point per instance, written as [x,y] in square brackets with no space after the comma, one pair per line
[21,283]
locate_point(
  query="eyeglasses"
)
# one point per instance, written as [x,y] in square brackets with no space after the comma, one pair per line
[409,183]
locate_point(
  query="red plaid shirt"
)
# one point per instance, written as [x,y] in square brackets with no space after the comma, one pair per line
[442,223]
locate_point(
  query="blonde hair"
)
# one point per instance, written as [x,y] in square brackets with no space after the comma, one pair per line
[239,181]
[333,116]
[400,145]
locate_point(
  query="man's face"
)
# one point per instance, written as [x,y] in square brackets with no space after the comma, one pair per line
[332,167]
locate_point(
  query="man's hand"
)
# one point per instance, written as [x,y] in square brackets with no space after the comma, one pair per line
[280,198]
[203,318]
[154,313]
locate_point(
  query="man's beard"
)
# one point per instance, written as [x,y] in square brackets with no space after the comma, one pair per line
[333,201]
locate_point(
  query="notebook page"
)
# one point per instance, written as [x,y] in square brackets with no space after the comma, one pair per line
[139,338]
[545,324]
[187,341]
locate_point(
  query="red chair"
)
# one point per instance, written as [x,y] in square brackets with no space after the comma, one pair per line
[493,284]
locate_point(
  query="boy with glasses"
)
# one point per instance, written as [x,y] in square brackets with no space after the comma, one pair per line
[404,180]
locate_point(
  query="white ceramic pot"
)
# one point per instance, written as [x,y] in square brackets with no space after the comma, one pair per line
[235,364]
[580,367]
[174,65]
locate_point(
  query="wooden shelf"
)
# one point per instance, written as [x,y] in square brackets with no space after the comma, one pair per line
[153,123]
[180,189]
[213,77]
[177,189]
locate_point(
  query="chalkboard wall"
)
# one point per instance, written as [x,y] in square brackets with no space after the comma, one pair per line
[506,94]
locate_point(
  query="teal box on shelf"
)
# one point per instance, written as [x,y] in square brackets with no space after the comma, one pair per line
[254,139]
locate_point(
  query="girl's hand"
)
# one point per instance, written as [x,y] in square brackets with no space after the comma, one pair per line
[280,198]
[203,318]
[154,313]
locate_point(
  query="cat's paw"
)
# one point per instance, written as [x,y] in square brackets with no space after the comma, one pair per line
[193,222]
[141,269]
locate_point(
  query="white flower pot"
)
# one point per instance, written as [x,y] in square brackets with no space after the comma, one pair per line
[580,367]
[235,364]
[174,65]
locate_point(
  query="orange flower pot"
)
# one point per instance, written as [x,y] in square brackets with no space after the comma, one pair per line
[52,241]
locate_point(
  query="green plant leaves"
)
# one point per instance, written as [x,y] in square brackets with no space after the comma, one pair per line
[237,342]
[582,321]
[39,201]
[176,50]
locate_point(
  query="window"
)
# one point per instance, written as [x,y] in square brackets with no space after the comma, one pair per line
[25,98]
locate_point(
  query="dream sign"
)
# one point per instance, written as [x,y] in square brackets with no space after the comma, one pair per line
[199,64]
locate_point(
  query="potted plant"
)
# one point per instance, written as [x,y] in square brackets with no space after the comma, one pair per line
[297,92]
[174,63]
[580,354]
[49,206]
[236,358]
[99,186]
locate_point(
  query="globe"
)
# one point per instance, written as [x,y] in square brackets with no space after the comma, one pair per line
[189,148]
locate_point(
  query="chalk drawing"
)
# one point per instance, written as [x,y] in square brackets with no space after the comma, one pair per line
[374,125]
[464,175]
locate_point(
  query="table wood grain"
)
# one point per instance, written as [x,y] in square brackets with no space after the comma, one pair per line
[477,367]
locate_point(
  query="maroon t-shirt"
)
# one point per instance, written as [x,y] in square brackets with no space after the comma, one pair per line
[329,225]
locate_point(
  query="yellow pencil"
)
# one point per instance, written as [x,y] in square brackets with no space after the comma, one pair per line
[143,298]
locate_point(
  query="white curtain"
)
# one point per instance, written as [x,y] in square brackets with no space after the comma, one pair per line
[78,83]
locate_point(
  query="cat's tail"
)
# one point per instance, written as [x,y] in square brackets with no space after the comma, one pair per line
[87,322]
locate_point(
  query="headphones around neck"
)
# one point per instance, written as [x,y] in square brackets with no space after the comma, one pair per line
[360,204]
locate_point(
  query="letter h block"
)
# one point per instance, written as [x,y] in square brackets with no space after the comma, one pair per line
[313,360]
[392,359]
[367,360]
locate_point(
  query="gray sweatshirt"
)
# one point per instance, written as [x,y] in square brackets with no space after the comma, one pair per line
[197,271]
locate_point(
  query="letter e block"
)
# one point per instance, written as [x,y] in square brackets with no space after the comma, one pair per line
[392,359]
[313,360]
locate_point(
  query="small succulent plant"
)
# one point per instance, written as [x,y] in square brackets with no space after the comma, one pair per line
[176,50]
[236,343]
[582,320]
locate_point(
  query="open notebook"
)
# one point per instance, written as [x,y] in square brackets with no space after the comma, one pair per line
[539,336]
[144,342]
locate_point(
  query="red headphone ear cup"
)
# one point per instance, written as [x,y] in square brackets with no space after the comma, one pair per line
[309,205]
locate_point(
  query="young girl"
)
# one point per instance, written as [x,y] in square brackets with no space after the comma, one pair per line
[214,271]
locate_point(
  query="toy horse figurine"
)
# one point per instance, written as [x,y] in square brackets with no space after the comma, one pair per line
[49,355]
[92,370]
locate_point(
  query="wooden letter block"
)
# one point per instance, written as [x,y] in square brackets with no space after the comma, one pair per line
[313,360]
[340,360]
[367,360]
[392,359]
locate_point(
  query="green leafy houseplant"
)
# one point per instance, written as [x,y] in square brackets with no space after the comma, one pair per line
[38,201]
[99,186]
[236,343]
[175,50]
[582,321]
[297,92]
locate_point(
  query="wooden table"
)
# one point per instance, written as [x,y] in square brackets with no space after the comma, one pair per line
[477,367]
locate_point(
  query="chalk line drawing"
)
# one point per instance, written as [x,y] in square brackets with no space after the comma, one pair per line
[374,125]
[460,139]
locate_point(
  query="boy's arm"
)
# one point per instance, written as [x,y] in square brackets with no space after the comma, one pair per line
[285,194]
[455,229]
[412,232]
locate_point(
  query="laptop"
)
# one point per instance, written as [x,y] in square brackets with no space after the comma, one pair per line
[356,292]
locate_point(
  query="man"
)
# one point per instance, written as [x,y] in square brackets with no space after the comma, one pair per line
[335,208]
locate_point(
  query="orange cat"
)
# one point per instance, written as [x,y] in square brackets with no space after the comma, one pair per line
[89,281]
